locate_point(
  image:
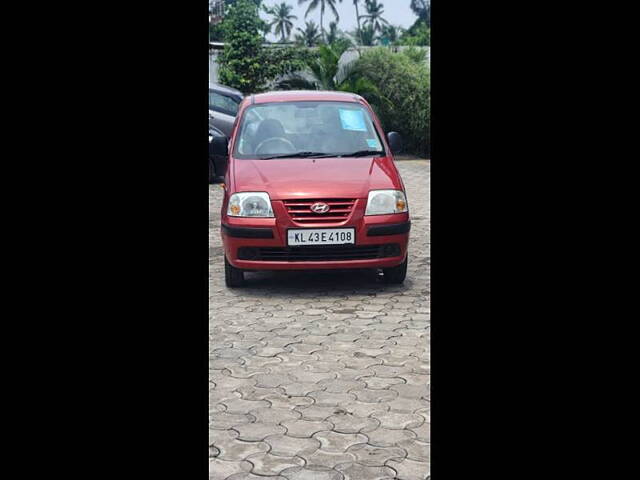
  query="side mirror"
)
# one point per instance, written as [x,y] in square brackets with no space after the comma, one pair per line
[219,153]
[219,145]
[395,142]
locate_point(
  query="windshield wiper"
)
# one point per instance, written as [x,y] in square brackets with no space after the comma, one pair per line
[361,153]
[300,155]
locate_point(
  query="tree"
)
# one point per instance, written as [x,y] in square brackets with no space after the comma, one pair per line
[419,34]
[422,8]
[239,64]
[310,36]
[333,34]
[244,63]
[313,4]
[390,34]
[367,36]
[282,20]
[374,15]
[355,3]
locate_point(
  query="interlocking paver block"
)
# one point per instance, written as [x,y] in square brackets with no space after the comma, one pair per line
[339,442]
[315,377]
[288,401]
[267,464]
[255,432]
[286,446]
[381,383]
[374,396]
[354,471]
[305,473]
[240,406]
[340,386]
[384,437]
[362,409]
[349,423]
[305,428]
[399,421]
[321,458]
[376,456]
[277,415]
[224,420]
[221,470]
[317,412]
[266,380]
[251,476]
[416,450]
[410,469]
[328,398]
[234,450]
[423,432]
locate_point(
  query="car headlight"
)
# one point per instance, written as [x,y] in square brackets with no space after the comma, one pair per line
[384,202]
[250,204]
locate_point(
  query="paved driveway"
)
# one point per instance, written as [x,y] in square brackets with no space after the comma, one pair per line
[322,376]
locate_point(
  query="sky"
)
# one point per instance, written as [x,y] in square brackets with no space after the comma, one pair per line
[396,12]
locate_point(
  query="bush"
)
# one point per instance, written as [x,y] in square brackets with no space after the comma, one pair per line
[405,84]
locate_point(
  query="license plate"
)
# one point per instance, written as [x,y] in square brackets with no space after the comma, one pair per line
[321,236]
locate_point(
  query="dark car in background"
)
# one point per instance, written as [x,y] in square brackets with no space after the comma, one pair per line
[223,107]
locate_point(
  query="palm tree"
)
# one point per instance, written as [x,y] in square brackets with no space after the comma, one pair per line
[281,20]
[366,37]
[374,15]
[391,33]
[313,4]
[355,3]
[310,35]
[332,36]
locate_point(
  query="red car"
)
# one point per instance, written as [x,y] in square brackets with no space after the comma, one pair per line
[310,183]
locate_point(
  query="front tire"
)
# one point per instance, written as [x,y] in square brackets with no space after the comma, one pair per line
[233,277]
[397,274]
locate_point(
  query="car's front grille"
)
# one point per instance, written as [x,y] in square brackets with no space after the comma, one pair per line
[319,253]
[339,210]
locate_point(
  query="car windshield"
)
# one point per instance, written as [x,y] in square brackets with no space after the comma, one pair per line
[306,129]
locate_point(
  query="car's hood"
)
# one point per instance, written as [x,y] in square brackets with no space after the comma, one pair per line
[316,177]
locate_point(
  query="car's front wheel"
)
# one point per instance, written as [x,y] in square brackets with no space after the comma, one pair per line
[396,274]
[233,277]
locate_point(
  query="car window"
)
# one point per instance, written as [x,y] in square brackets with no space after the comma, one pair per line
[325,127]
[222,103]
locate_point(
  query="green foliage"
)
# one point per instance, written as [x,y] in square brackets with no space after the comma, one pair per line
[390,35]
[283,61]
[373,17]
[240,65]
[405,85]
[366,37]
[310,36]
[419,34]
[216,32]
[245,64]
[422,8]
[314,4]
[416,55]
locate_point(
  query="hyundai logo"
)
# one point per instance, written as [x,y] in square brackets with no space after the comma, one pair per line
[319,207]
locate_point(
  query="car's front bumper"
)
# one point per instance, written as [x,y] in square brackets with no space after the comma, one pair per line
[257,243]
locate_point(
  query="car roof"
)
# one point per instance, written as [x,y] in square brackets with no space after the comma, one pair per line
[224,89]
[305,95]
